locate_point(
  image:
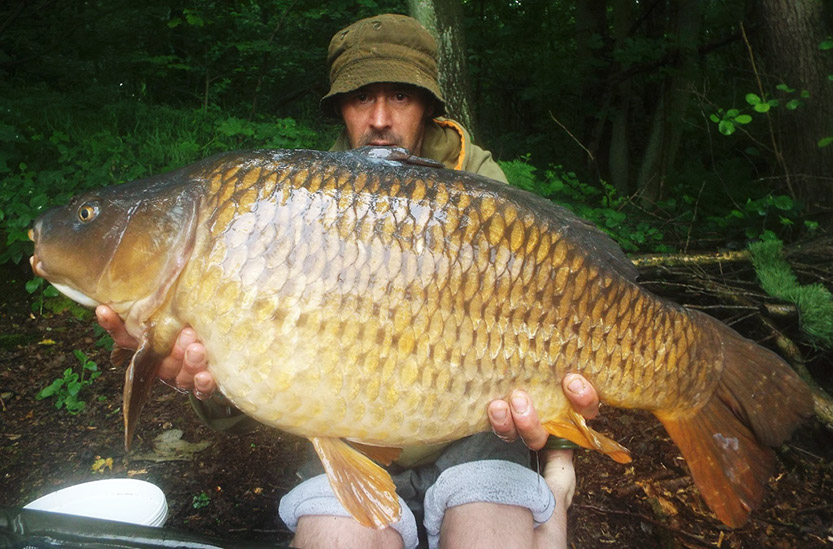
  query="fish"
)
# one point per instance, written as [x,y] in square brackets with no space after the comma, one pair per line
[370,302]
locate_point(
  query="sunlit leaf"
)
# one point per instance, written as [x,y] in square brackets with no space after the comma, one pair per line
[726,127]
[752,99]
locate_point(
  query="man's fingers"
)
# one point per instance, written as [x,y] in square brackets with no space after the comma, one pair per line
[204,385]
[581,395]
[110,321]
[500,416]
[171,366]
[526,420]
[193,363]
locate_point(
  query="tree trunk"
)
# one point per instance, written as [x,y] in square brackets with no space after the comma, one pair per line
[591,35]
[444,20]
[619,155]
[672,102]
[791,31]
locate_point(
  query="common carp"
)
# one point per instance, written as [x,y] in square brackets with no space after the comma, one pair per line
[359,297]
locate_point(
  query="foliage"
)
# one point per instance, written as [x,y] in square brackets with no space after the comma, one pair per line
[201,500]
[41,291]
[766,217]
[727,120]
[614,214]
[103,338]
[813,301]
[66,389]
[47,297]
[672,222]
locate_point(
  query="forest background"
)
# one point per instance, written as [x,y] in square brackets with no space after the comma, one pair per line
[697,133]
[678,126]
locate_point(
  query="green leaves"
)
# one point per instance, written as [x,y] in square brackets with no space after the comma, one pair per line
[65,389]
[758,104]
[201,500]
[727,120]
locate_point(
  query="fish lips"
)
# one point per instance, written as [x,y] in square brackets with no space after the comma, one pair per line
[40,270]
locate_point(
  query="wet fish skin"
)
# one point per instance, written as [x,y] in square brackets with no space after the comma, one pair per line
[343,297]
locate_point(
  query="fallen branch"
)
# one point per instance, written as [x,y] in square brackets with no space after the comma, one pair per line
[679,260]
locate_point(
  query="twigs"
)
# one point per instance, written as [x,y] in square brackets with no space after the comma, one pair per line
[688,535]
[563,127]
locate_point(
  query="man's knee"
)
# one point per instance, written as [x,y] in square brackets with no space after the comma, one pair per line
[313,506]
[487,526]
[509,486]
[325,532]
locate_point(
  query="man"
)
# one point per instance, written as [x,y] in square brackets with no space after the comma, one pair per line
[478,492]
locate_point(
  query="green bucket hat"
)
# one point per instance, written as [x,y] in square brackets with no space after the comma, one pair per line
[384,48]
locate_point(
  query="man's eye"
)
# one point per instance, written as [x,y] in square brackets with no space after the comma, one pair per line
[401,96]
[361,97]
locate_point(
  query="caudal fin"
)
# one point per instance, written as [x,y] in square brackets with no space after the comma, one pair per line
[758,403]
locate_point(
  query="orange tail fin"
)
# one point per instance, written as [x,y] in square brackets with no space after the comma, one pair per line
[758,403]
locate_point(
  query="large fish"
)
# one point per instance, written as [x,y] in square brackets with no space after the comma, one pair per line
[357,297]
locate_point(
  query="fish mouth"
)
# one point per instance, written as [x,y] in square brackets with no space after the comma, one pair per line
[37,266]
[72,293]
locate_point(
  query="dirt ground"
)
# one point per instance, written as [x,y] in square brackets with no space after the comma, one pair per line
[231,487]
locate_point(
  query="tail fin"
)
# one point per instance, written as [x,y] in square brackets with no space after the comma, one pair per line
[758,403]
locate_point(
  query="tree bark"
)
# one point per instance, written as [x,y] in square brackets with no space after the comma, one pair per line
[789,38]
[444,20]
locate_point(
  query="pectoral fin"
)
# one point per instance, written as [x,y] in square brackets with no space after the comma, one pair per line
[138,381]
[574,428]
[362,487]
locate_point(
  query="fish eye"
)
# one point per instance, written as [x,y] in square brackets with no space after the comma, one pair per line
[88,211]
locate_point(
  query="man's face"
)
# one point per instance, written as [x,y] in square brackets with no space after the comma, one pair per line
[385,114]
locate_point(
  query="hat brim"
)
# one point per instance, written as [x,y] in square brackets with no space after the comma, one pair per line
[366,71]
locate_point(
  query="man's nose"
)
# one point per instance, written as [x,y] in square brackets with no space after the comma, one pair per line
[380,117]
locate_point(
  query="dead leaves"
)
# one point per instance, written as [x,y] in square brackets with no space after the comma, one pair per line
[101,464]
[169,446]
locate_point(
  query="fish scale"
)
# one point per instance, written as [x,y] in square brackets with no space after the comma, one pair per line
[367,220]
[355,296]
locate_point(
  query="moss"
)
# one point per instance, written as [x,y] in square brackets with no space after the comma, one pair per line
[813,301]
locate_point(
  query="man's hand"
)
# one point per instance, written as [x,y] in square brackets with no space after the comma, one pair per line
[184,368]
[516,417]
